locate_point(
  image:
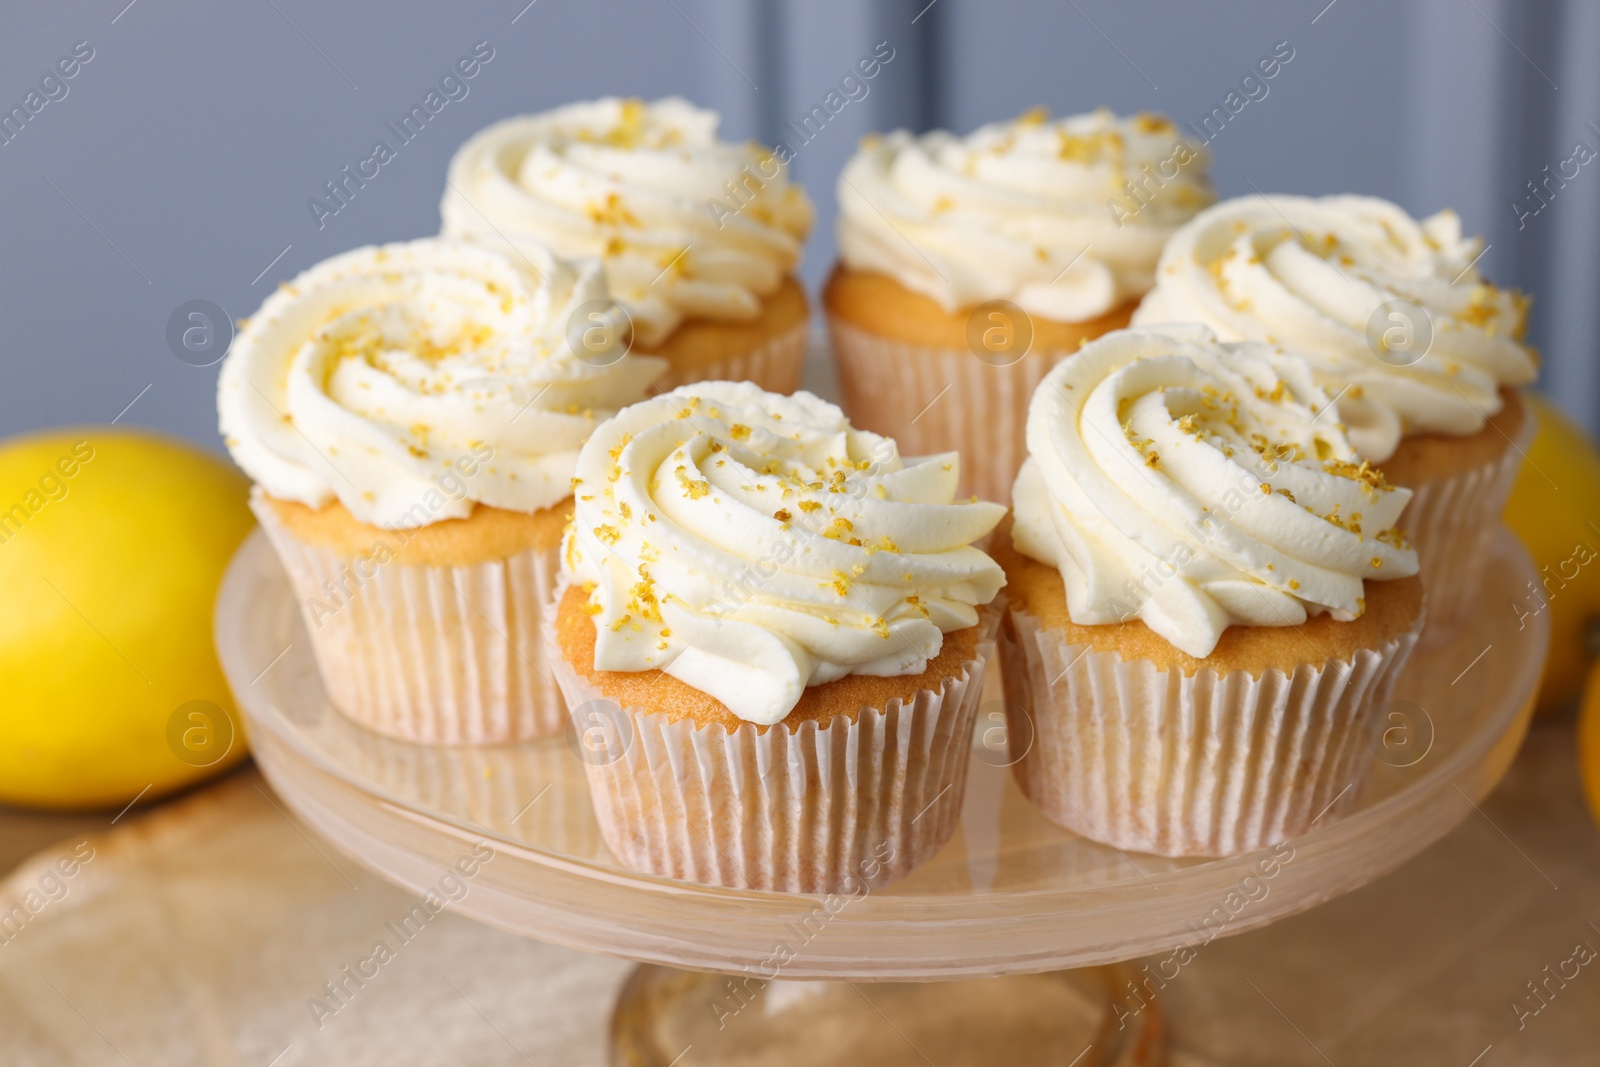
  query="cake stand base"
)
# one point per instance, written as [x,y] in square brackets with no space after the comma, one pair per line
[901,974]
[1088,1017]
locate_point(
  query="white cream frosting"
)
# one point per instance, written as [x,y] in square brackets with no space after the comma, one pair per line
[1309,274]
[752,544]
[1198,485]
[372,374]
[688,226]
[1035,211]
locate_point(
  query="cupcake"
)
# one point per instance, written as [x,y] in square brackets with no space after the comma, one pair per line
[780,628]
[969,266]
[700,237]
[1204,614]
[411,415]
[1422,355]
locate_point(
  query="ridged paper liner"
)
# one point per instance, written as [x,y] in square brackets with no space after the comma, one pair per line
[776,365]
[820,809]
[941,400]
[1148,759]
[1452,522]
[436,654]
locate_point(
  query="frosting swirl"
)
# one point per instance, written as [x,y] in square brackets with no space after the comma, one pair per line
[1196,486]
[367,376]
[751,544]
[688,226]
[1064,217]
[1312,274]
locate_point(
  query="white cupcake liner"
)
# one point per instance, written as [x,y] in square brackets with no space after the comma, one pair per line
[820,809]
[1452,522]
[437,654]
[1147,759]
[940,400]
[776,365]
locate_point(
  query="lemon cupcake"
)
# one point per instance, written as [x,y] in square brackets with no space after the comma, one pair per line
[1204,618]
[700,237]
[1422,355]
[968,266]
[780,628]
[411,415]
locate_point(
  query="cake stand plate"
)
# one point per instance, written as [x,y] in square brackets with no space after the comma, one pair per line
[1010,894]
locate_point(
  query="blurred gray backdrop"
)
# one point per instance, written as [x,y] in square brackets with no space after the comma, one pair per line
[176,162]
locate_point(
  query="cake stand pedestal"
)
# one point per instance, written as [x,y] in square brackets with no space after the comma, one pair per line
[1010,946]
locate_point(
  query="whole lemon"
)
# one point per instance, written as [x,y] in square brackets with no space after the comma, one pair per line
[1555,511]
[1589,742]
[112,545]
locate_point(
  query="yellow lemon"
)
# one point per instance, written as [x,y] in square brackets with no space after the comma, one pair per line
[1589,742]
[112,544]
[1555,511]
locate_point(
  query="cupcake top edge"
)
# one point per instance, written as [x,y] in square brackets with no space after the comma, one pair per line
[414,381]
[1392,312]
[688,226]
[1197,485]
[1063,217]
[751,544]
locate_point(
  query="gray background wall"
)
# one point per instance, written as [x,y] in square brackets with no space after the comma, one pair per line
[179,163]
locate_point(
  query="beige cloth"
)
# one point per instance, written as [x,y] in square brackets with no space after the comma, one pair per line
[197,933]
[1424,965]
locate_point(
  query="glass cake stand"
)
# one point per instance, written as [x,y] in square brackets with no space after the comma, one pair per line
[1010,946]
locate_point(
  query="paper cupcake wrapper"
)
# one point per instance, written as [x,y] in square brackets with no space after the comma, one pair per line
[820,809]
[1147,759]
[1453,522]
[777,365]
[444,655]
[940,400]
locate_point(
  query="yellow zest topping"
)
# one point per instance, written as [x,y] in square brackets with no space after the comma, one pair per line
[695,488]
